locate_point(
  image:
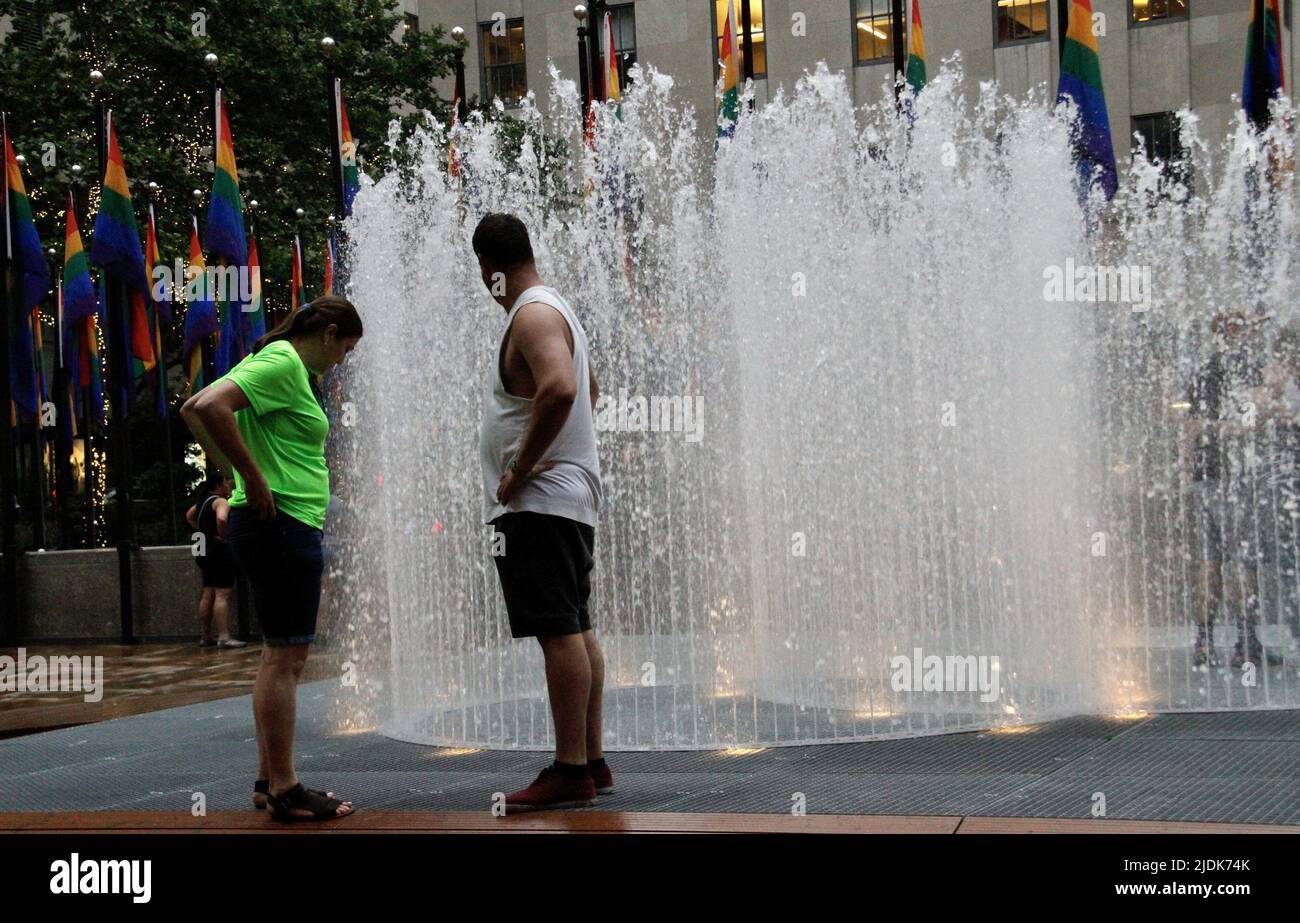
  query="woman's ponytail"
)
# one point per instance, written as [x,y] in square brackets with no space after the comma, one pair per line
[314,316]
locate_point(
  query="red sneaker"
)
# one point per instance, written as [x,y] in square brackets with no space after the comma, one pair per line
[602,778]
[551,790]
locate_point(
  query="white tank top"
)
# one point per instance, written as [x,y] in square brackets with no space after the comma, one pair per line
[572,488]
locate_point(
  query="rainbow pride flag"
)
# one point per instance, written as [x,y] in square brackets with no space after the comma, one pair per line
[329,264]
[916,50]
[22,242]
[79,298]
[255,310]
[1264,77]
[225,230]
[297,294]
[347,151]
[81,355]
[201,319]
[1081,84]
[729,93]
[115,240]
[160,311]
[67,402]
[28,280]
[609,54]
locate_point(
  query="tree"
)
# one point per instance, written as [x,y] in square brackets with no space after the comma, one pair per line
[272,72]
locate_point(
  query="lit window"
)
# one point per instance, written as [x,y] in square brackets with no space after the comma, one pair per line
[502,71]
[873,31]
[1020,20]
[1153,10]
[756,36]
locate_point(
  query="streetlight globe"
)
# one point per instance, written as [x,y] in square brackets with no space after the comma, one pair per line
[96,77]
[210,60]
[580,12]
[458,34]
[327,45]
[299,213]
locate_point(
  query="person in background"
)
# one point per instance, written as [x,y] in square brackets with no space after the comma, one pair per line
[1279,478]
[208,517]
[265,420]
[1221,426]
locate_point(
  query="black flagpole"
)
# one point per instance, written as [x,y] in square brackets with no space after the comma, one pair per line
[8,473]
[900,54]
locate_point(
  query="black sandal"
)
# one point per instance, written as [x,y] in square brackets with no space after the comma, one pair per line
[301,798]
[263,787]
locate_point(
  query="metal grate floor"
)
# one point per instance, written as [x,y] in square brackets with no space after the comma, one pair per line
[1238,767]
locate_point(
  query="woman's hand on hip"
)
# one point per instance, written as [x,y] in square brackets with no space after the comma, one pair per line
[259,496]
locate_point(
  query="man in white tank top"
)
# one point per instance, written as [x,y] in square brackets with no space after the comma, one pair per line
[541,481]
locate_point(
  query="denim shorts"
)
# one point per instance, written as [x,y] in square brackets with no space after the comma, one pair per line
[283,560]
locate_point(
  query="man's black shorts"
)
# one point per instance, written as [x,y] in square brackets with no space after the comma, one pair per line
[545,573]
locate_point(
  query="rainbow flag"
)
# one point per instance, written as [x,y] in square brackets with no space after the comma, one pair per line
[201,319]
[115,240]
[21,240]
[67,400]
[347,151]
[255,310]
[79,298]
[609,54]
[1081,83]
[729,94]
[160,311]
[329,264]
[225,231]
[297,294]
[1264,77]
[916,50]
[90,374]
[27,279]
[453,159]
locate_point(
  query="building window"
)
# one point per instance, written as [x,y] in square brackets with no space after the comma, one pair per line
[1157,136]
[622,20]
[503,73]
[1157,10]
[757,38]
[1020,21]
[411,24]
[873,31]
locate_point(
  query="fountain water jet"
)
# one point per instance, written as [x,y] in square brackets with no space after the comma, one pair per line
[904,448]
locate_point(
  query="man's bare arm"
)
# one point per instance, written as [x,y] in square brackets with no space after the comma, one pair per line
[538,331]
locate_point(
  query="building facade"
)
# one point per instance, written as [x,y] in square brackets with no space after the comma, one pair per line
[1157,56]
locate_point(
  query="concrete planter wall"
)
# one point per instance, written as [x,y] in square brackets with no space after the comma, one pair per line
[73,595]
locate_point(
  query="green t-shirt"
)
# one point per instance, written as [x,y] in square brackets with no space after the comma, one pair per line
[284,428]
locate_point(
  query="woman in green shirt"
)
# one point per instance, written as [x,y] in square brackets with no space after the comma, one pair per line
[265,421]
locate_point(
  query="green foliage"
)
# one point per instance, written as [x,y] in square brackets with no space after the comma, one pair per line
[273,75]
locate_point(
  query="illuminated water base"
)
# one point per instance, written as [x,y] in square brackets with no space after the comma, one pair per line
[904,446]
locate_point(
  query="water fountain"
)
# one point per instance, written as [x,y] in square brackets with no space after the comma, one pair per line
[900,448]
